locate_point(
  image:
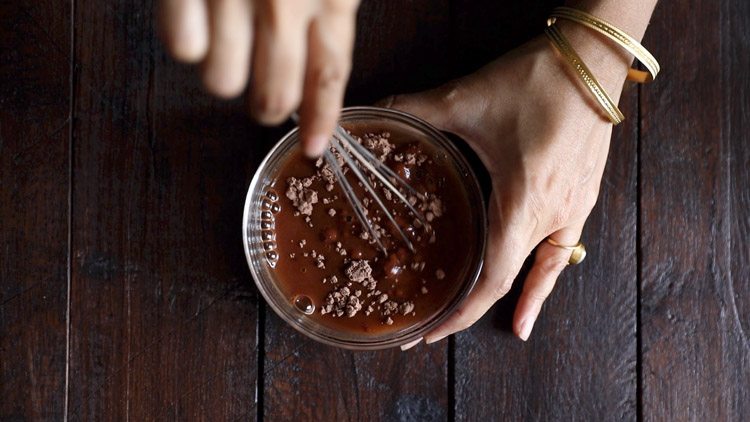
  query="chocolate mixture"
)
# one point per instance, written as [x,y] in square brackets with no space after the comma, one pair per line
[327,257]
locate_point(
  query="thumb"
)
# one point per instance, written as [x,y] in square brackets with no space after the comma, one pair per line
[436,106]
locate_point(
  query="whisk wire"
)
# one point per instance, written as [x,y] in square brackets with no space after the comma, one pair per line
[364,152]
[352,197]
[354,167]
[356,156]
[377,168]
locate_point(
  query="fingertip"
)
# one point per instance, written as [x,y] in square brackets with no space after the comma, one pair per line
[224,84]
[315,146]
[184,28]
[430,106]
[409,345]
[270,109]
[386,102]
[523,328]
[316,128]
[226,67]
[526,314]
[188,45]
[417,104]
[442,331]
[433,338]
[523,318]
[189,52]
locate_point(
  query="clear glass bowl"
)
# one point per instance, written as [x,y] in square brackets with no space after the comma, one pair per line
[260,246]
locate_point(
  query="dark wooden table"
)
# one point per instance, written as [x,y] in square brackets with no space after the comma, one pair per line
[124,292]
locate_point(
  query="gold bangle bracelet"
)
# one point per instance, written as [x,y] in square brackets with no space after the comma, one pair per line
[615,34]
[584,74]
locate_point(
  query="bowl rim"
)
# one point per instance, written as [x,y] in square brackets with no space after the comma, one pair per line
[415,331]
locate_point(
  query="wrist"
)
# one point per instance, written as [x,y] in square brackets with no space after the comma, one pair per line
[607,61]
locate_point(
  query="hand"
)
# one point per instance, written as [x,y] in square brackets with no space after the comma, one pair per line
[301,55]
[545,145]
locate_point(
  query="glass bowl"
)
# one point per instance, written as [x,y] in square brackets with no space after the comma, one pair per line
[260,247]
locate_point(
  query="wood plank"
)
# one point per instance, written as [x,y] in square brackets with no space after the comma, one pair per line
[34,167]
[483,30]
[400,48]
[580,362]
[163,318]
[695,316]
[735,43]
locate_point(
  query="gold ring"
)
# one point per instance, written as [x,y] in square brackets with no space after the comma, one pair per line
[577,252]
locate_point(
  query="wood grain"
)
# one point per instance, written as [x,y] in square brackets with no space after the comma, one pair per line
[483,31]
[696,355]
[163,312]
[34,167]
[736,133]
[400,48]
[308,381]
[397,43]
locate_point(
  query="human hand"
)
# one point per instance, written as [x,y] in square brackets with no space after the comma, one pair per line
[301,55]
[545,145]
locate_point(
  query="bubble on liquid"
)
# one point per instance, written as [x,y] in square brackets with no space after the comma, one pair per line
[267,235]
[272,195]
[265,204]
[267,225]
[272,257]
[275,208]
[304,304]
[269,246]
[266,215]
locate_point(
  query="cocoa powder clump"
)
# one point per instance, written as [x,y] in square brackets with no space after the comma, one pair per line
[379,145]
[341,302]
[390,307]
[406,308]
[303,198]
[359,271]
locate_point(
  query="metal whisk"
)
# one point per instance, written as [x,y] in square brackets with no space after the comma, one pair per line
[360,160]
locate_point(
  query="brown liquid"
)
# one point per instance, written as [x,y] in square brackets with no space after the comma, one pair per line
[400,275]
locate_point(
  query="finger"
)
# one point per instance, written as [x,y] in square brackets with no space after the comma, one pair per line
[278,60]
[227,64]
[328,64]
[184,28]
[549,262]
[507,248]
[436,106]
[407,346]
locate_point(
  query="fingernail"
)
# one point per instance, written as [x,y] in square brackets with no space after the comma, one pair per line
[315,146]
[434,339]
[408,346]
[526,326]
